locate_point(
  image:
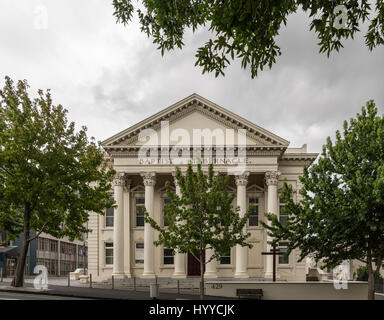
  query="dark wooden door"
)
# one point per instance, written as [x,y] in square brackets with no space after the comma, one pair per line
[194,265]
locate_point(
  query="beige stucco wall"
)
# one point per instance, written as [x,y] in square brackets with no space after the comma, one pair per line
[265,155]
[291,290]
[294,271]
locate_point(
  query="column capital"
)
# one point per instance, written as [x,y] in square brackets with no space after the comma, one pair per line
[242,179]
[272,177]
[119,179]
[149,178]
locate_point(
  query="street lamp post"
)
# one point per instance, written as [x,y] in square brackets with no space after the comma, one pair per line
[84,252]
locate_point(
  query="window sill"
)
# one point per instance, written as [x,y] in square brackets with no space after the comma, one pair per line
[138,228]
[107,229]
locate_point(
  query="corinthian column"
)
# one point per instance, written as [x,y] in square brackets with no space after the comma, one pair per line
[241,252]
[118,226]
[149,179]
[180,266]
[271,180]
[127,228]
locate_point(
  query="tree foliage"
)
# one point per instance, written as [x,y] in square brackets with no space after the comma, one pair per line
[362,274]
[247,29]
[50,175]
[202,217]
[340,214]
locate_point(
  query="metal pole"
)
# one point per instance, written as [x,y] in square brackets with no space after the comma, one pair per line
[134,283]
[113,282]
[90,280]
[84,256]
[69,280]
[156,279]
[274,263]
[178,286]
[1,276]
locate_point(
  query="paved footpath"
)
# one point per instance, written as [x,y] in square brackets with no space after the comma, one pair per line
[98,293]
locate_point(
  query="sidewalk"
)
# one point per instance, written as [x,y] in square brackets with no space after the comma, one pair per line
[99,293]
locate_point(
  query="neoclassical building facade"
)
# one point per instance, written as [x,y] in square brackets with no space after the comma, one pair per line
[145,156]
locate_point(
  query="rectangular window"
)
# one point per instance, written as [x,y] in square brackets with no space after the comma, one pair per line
[108,253]
[168,255]
[166,201]
[109,216]
[139,253]
[139,212]
[283,258]
[254,216]
[226,259]
[282,215]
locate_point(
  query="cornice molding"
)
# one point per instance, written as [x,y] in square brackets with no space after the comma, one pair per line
[191,104]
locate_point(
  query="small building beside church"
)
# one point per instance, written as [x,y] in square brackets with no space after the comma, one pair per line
[59,256]
[145,156]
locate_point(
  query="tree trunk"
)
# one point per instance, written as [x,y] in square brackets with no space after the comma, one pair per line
[201,276]
[371,276]
[18,280]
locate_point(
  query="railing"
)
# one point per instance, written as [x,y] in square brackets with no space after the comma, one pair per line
[379,286]
[180,286]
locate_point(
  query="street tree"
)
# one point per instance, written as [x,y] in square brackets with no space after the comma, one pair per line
[201,217]
[340,214]
[50,175]
[247,29]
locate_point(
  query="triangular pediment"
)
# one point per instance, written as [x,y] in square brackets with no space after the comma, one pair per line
[194,113]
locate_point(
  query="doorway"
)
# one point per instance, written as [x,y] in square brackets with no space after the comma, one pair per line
[194,265]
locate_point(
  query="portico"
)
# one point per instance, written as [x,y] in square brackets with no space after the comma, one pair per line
[257,163]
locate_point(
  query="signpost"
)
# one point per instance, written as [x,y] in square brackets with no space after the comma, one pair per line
[274,252]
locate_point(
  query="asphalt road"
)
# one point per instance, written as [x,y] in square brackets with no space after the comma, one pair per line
[30,296]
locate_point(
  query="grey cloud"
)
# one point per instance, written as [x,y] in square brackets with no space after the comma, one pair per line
[110,76]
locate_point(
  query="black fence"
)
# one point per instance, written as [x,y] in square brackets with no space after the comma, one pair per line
[379,286]
[187,286]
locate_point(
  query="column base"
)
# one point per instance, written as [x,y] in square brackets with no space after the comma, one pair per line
[243,275]
[269,275]
[210,275]
[179,275]
[119,275]
[148,275]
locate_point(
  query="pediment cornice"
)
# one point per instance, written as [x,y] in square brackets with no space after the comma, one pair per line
[195,103]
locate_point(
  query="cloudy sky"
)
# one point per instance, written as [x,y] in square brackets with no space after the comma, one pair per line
[110,77]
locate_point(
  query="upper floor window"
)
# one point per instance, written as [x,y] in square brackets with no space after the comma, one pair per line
[109,217]
[139,212]
[254,216]
[283,216]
